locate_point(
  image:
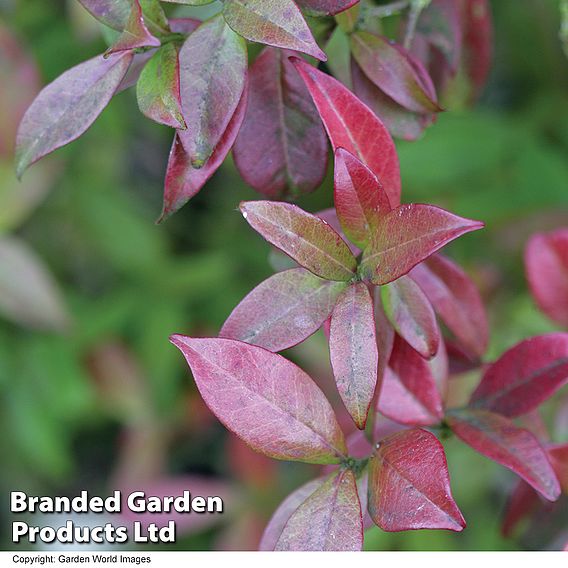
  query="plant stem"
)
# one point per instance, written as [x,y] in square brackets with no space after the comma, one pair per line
[416,7]
[388,9]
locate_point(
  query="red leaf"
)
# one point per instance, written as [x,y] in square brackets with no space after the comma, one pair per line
[524,376]
[522,502]
[353,350]
[497,438]
[285,510]
[307,239]
[360,199]
[456,300]
[283,310]
[412,315]
[401,122]
[183,181]
[135,34]
[546,260]
[409,484]
[558,454]
[385,337]
[389,67]
[325,7]
[282,148]
[329,519]
[264,399]
[353,126]
[478,42]
[410,394]
[66,108]
[278,23]
[408,235]
[211,87]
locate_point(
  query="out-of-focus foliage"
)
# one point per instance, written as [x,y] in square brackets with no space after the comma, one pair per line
[95,397]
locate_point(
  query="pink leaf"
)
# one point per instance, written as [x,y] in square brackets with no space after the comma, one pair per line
[353,350]
[497,438]
[409,484]
[558,454]
[546,260]
[135,34]
[329,519]
[408,235]
[211,87]
[264,399]
[389,68]
[285,510]
[385,337]
[112,13]
[353,126]
[66,108]
[360,199]
[325,7]
[412,315]
[278,23]
[184,181]
[282,148]
[524,376]
[307,239]
[283,310]
[456,300]
[410,393]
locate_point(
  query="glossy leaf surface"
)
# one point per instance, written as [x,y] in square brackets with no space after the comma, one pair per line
[353,350]
[278,23]
[307,239]
[66,108]
[329,519]
[456,300]
[412,315]
[210,87]
[409,484]
[408,235]
[282,148]
[517,449]
[360,199]
[546,261]
[524,376]
[353,126]
[283,310]
[264,399]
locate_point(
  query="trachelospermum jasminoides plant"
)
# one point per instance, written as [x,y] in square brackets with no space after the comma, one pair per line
[368,271]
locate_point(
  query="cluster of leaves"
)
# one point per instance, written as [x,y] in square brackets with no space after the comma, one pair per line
[264,113]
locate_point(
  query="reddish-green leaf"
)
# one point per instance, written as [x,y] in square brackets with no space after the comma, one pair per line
[278,23]
[213,69]
[410,393]
[285,510]
[522,502]
[408,235]
[325,7]
[360,199]
[66,108]
[558,454]
[525,376]
[401,122]
[157,89]
[412,315]
[456,300]
[135,34]
[183,180]
[281,150]
[283,310]
[112,13]
[389,67]
[329,519]
[385,336]
[353,350]
[499,439]
[264,399]
[353,126]
[409,484]
[546,261]
[307,239]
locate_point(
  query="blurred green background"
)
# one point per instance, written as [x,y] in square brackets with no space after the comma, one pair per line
[92,395]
